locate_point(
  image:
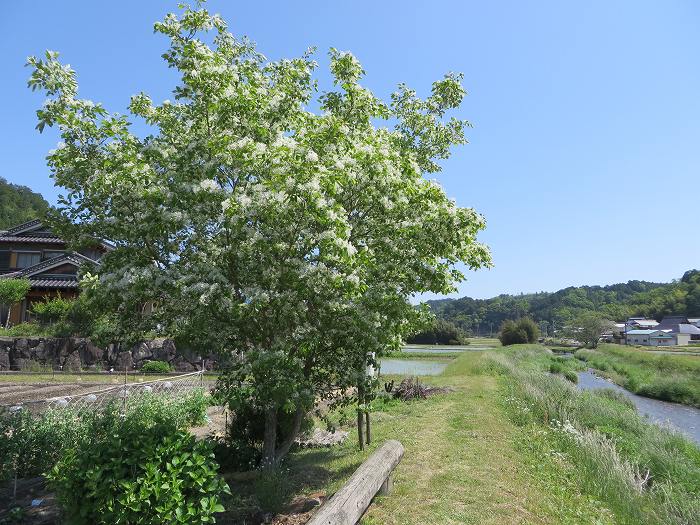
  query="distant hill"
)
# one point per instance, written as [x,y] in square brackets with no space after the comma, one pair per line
[19,204]
[553,309]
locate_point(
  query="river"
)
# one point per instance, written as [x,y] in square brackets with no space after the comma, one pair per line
[685,419]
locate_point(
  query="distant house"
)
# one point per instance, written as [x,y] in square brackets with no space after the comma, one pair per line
[640,323]
[680,324]
[656,338]
[32,251]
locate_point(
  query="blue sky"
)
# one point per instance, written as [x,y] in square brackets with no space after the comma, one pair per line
[586,147]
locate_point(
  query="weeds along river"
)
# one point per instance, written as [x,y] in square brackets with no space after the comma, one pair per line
[682,418]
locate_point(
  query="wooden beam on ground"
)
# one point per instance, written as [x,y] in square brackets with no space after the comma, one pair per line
[347,506]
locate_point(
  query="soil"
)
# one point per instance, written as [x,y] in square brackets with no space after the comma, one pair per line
[19,393]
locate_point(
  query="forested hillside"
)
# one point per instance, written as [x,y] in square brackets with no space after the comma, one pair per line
[19,204]
[616,302]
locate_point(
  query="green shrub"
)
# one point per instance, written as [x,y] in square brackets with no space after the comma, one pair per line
[139,467]
[439,331]
[571,376]
[24,330]
[33,443]
[522,331]
[52,310]
[556,368]
[156,366]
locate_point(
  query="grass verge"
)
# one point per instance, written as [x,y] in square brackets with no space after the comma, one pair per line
[643,473]
[668,377]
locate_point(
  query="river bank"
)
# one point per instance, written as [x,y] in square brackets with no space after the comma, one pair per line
[669,377]
[511,444]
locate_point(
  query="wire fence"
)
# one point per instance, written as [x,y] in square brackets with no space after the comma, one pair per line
[98,398]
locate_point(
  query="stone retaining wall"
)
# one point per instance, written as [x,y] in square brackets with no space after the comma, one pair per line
[71,353]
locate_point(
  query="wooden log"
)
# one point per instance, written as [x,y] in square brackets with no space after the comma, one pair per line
[347,506]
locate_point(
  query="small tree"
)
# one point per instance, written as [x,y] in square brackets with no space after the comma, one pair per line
[290,241]
[13,291]
[587,328]
[522,331]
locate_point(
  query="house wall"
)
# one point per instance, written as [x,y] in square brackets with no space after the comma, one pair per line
[670,341]
[637,339]
[682,339]
[14,247]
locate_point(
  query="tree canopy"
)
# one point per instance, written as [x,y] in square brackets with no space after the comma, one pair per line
[555,310]
[287,238]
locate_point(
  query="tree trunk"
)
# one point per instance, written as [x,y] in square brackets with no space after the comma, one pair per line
[270,439]
[367,433]
[360,424]
[287,444]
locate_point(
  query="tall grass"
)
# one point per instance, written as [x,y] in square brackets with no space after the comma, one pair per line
[668,377]
[645,474]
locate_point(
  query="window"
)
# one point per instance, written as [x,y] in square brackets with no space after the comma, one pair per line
[27,259]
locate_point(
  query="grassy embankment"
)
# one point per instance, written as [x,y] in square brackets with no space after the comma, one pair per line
[513,444]
[661,376]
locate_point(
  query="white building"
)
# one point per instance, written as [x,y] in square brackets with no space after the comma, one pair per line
[656,338]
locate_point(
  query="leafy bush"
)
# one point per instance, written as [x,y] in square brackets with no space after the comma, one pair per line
[556,368]
[440,332]
[52,310]
[156,366]
[33,443]
[24,330]
[139,467]
[522,331]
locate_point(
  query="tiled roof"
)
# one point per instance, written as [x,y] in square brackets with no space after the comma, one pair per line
[53,283]
[73,258]
[688,329]
[33,232]
[43,239]
[31,271]
[24,226]
[644,322]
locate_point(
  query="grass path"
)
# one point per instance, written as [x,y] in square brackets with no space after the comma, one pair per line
[460,465]
[465,462]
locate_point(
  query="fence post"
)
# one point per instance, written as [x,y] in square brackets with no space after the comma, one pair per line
[126,378]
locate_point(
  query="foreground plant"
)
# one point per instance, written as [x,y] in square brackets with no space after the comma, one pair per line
[258,228]
[139,467]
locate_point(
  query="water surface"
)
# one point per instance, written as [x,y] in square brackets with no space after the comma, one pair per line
[683,418]
[412,367]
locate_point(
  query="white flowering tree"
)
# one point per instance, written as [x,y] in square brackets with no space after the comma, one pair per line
[293,239]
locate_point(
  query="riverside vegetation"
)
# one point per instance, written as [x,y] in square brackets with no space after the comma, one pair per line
[510,443]
[668,377]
